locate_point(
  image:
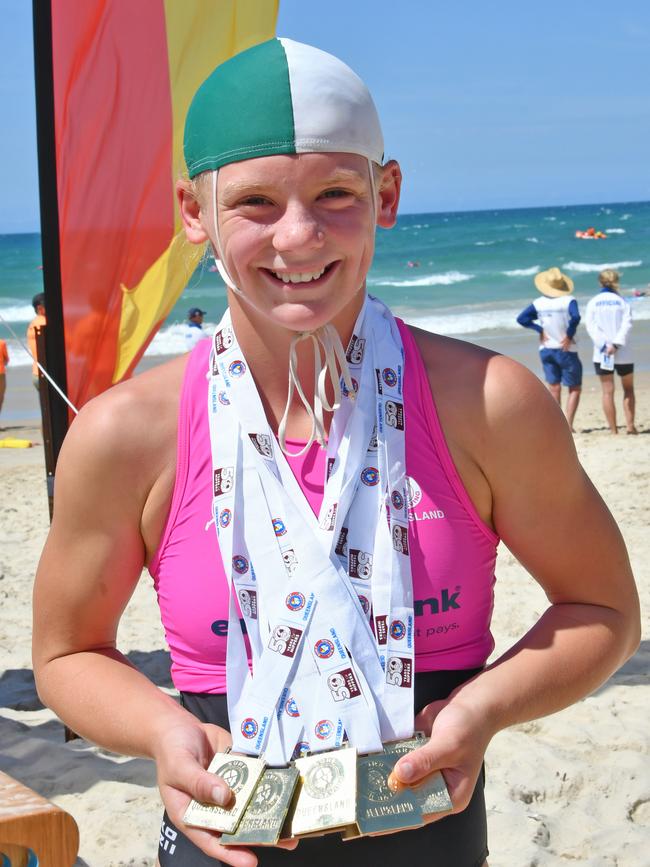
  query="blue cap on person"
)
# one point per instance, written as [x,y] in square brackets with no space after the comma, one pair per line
[196,311]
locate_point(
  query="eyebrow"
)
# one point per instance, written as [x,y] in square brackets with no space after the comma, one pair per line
[341,176]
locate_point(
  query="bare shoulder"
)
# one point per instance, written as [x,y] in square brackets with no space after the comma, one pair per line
[496,416]
[478,391]
[123,443]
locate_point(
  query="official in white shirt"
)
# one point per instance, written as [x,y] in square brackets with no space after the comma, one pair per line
[194,328]
[609,321]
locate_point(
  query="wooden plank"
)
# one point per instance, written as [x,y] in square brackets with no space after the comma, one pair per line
[31,821]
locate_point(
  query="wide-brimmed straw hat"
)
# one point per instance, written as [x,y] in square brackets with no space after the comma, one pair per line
[553,283]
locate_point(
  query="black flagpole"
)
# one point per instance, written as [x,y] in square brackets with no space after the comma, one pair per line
[54,410]
[54,333]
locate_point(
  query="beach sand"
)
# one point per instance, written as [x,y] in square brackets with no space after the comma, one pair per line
[574,787]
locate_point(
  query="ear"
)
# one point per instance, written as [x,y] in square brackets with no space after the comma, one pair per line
[388,191]
[190,213]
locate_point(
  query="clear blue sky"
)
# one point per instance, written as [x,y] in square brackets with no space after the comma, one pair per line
[486,105]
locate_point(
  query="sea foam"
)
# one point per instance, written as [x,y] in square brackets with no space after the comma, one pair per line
[446,279]
[522,272]
[590,267]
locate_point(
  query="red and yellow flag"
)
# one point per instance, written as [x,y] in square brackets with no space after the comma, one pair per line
[124,73]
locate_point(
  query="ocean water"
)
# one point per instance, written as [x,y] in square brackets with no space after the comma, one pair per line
[471,272]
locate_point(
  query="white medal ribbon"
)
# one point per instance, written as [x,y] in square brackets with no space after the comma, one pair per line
[307,587]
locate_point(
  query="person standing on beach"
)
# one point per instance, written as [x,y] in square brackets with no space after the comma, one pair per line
[4,361]
[555,317]
[194,328]
[609,321]
[39,320]
[332,482]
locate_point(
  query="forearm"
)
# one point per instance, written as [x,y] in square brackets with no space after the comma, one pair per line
[571,650]
[100,696]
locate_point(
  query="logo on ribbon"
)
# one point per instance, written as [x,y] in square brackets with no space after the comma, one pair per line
[248,603]
[394,414]
[290,560]
[399,671]
[397,630]
[278,527]
[400,539]
[324,648]
[343,685]
[355,351]
[389,376]
[262,443]
[365,604]
[323,729]
[237,368]
[301,749]
[360,564]
[223,398]
[225,517]
[285,640]
[291,707]
[370,476]
[397,500]
[240,564]
[295,601]
[223,340]
[224,478]
[249,727]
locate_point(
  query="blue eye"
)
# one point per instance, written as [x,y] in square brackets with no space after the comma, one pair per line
[255,200]
[335,194]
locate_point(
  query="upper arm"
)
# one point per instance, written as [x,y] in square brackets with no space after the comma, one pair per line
[545,508]
[94,552]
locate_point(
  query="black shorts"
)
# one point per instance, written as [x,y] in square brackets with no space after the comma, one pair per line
[621,369]
[455,841]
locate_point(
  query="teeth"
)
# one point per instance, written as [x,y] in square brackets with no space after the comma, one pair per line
[302,277]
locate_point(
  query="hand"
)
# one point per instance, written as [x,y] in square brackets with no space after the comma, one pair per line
[611,349]
[459,737]
[565,343]
[182,756]
[542,336]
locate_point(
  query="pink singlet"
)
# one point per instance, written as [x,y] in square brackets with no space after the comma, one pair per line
[452,551]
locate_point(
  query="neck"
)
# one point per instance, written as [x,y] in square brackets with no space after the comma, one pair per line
[267,345]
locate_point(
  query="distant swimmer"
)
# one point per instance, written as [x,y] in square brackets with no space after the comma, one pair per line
[412,264]
[590,234]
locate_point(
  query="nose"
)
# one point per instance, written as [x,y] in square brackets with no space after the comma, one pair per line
[297,228]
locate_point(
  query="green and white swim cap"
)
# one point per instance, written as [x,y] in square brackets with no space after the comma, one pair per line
[280,97]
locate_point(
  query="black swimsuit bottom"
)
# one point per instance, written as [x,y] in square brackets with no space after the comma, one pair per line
[459,840]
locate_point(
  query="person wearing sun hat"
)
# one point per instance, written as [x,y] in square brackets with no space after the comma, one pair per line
[321,531]
[555,317]
[609,322]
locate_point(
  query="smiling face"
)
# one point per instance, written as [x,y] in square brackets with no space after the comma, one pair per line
[297,234]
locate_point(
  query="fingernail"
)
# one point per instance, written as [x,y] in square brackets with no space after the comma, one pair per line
[406,771]
[220,796]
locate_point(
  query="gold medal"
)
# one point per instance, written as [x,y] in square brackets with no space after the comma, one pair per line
[432,794]
[264,818]
[327,794]
[242,774]
[379,809]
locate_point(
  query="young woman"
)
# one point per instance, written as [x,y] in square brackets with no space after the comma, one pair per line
[363,500]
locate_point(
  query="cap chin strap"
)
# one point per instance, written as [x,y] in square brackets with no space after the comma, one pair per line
[326,337]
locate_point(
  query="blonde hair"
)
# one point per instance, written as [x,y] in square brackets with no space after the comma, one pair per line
[609,278]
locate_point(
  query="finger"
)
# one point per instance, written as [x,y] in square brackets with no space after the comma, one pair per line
[415,766]
[425,719]
[191,777]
